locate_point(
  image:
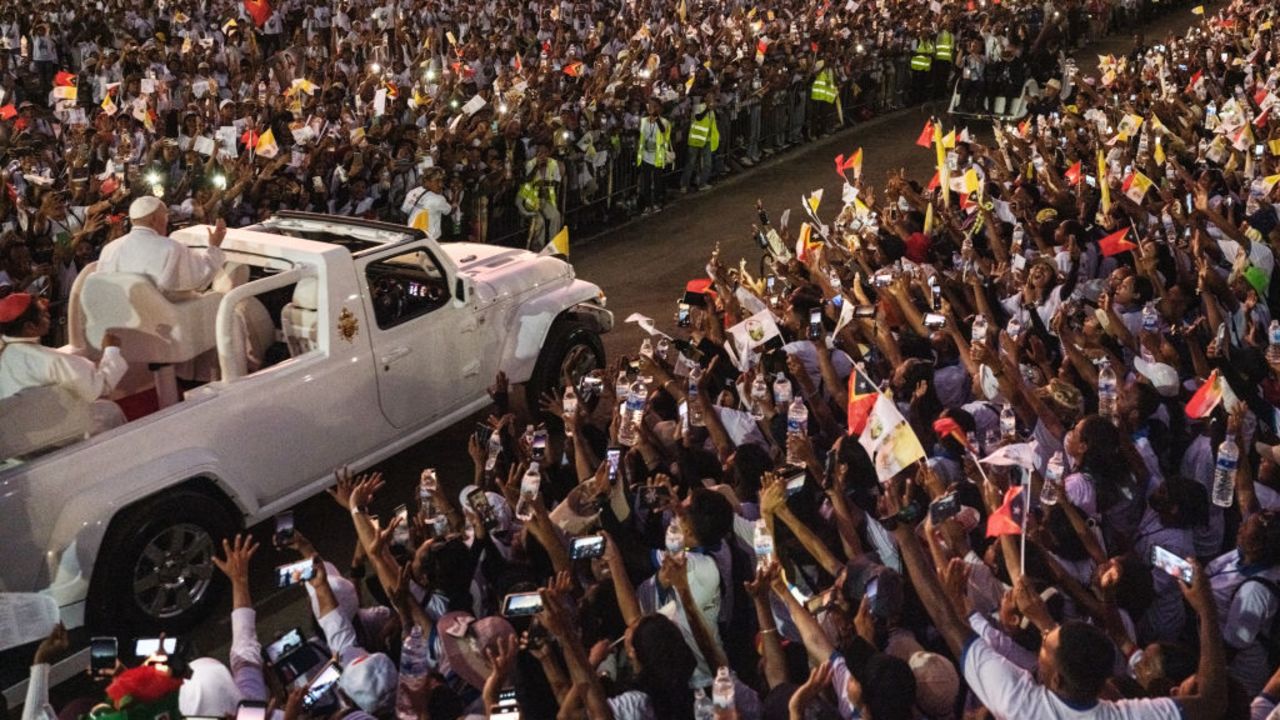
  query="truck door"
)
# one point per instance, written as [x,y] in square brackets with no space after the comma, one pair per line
[417,361]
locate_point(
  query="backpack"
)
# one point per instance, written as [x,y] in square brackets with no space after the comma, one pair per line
[1269,636]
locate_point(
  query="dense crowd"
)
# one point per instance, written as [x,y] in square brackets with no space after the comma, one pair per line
[1000,443]
[485,122]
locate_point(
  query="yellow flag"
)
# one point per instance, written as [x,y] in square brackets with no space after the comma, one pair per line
[928,218]
[949,140]
[421,220]
[814,200]
[1103,183]
[941,154]
[683,11]
[267,146]
[560,243]
[109,106]
[1274,146]
[1159,151]
[1197,10]
[971,182]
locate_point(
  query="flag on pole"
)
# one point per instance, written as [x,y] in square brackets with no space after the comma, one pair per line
[1206,398]
[259,10]
[1115,243]
[1136,185]
[1009,518]
[64,79]
[1158,153]
[889,440]
[1197,10]
[926,136]
[941,152]
[949,140]
[1073,174]
[862,397]
[814,200]
[559,244]
[853,162]
[266,145]
[109,105]
[1102,182]
[1021,455]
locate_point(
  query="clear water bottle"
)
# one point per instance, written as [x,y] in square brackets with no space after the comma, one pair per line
[495,449]
[570,404]
[414,668]
[646,348]
[1052,478]
[759,391]
[695,407]
[781,391]
[675,538]
[620,387]
[763,543]
[1014,328]
[664,348]
[1008,422]
[1150,318]
[1273,345]
[1107,391]
[1224,473]
[979,334]
[797,424]
[722,689]
[1019,233]
[428,486]
[528,435]
[632,413]
[702,707]
[529,485]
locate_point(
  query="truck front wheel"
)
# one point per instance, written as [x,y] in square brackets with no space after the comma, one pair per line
[571,350]
[155,570]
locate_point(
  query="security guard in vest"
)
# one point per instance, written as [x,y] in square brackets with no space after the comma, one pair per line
[822,97]
[944,60]
[921,64]
[653,153]
[704,139]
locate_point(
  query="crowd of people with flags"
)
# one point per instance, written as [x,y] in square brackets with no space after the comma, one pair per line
[1000,443]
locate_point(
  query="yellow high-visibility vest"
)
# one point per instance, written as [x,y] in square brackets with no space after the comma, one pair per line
[946,41]
[824,87]
[705,130]
[662,139]
[527,195]
[922,60]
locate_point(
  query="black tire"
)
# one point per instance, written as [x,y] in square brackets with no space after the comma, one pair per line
[136,586]
[567,340]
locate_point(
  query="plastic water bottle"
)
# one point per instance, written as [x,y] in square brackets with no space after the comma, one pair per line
[675,538]
[797,424]
[759,390]
[570,404]
[1014,328]
[1008,422]
[695,407]
[763,544]
[529,485]
[414,668]
[633,413]
[646,348]
[1224,473]
[1107,391]
[1052,477]
[1150,318]
[722,689]
[428,486]
[702,707]
[664,348]
[495,449]
[979,334]
[1273,347]
[1019,233]
[781,391]
[528,435]
[620,387]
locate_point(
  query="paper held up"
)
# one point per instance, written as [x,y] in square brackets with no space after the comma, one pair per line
[646,324]
[25,618]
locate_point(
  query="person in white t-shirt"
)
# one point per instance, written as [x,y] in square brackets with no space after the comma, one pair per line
[426,206]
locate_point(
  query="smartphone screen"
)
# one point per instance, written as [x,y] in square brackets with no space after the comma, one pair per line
[1171,563]
[294,573]
[287,643]
[522,604]
[146,647]
[612,456]
[103,652]
[934,321]
[321,688]
[682,314]
[872,588]
[770,283]
[284,529]
[507,708]
[249,710]
[864,311]
[815,323]
[944,508]
[401,535]
[795,484]
[586,547]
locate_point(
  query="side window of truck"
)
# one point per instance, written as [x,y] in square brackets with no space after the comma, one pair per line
[403,287]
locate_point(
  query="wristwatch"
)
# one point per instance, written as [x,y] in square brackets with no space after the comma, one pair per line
[908,514]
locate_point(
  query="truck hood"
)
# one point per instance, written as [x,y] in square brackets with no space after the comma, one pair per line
[499,272]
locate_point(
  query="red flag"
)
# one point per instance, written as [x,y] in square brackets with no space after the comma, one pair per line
[936,182]
[1073,174]
[259,10]
[926,136]
[1008,519]
[1206,398]
[1191,86]
[64,79]
[1115,243]
[8,112]
[573,69]
[853,161]
[762,46]
[1263,118]
[249,139]
[1260,96]
[947,427]
[860,403]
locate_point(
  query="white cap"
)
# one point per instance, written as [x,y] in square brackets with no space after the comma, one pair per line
[1164,377]
[144,206]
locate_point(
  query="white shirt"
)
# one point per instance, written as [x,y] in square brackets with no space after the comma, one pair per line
[25,363]
[421,200]
[704,584]
[172,266]
[1011,692]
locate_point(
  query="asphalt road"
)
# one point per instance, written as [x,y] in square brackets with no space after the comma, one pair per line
[643,267]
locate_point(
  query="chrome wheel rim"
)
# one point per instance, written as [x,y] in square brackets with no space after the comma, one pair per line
[577,363]
[174,571]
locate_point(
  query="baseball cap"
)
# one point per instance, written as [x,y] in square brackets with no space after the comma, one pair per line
[1163,377]
[370,682]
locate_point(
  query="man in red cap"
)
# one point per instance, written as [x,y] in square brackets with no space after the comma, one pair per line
[25,363]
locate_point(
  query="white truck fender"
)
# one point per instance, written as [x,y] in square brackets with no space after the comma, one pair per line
[533,320]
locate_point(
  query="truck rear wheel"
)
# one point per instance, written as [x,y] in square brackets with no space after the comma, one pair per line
[156,571]
[572,349]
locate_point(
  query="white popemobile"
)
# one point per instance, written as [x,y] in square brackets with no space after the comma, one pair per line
[325,341]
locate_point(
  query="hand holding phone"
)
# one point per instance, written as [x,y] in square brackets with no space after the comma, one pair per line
[586,547]
[283,534]
[104,652]
[1171,563]
[295,573]
[521,604]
